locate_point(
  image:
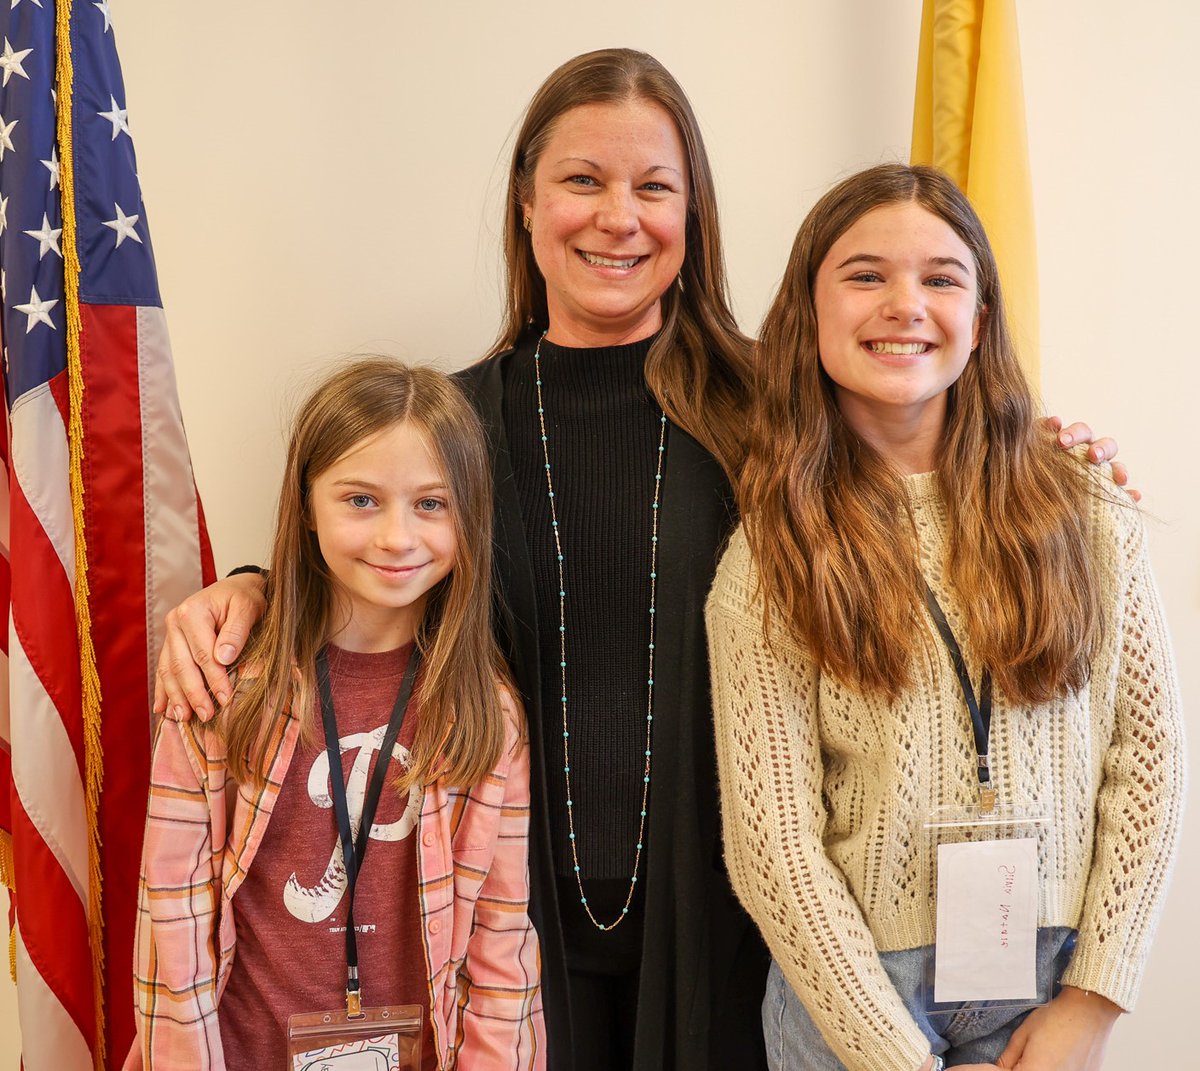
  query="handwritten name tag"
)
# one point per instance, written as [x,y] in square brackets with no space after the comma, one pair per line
[366,1054]
[987,904]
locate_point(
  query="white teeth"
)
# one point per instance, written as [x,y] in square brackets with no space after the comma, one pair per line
[608,262]
[898,349]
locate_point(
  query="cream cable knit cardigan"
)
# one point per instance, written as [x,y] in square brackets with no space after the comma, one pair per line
[824,790]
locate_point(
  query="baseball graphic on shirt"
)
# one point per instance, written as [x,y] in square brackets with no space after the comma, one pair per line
[317,903]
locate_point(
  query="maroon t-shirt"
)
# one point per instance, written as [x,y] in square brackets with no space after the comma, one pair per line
[291,909]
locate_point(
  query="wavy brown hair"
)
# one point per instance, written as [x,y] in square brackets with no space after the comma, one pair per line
[460,731]
[828,518]
[699,366]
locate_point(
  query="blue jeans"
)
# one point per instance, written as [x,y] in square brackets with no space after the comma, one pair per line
[974,1033]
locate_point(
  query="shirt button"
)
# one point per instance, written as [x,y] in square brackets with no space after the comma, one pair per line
[435,926]
[427,840]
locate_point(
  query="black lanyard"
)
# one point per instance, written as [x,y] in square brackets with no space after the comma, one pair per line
[980,711]
[352,853]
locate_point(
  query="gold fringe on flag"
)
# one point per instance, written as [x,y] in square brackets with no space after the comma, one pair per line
[93,753]
[8,879]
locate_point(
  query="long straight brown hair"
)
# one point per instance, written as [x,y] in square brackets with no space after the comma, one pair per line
[828,518]
[699,366]
[460,731]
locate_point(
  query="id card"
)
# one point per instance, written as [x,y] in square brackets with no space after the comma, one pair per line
[987,913]
[988,901]
[378,1039]
[380,1053]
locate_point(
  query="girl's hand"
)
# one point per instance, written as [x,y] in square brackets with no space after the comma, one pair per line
[193,654]
[1068,1034]
[1099,450]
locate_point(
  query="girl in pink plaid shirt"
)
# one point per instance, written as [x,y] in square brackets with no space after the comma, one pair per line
[381,564]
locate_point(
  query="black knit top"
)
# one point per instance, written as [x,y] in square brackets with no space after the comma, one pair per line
[603,429]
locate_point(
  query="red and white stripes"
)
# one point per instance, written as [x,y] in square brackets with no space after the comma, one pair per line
[146,552]
[49,820]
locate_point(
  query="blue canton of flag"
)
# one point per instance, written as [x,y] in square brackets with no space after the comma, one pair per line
[109,208]
[30,206]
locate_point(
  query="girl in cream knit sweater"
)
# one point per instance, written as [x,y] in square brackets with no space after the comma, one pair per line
[896,448]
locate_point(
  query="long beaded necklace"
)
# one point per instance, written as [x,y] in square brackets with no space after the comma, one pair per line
[562,650]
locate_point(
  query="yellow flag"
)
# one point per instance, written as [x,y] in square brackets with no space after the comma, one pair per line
[969,120]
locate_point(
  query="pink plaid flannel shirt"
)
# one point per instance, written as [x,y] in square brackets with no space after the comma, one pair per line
[202,832]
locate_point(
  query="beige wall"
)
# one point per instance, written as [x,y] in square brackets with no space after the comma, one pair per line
[321,184]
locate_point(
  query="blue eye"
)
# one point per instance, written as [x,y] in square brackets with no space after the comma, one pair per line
[361,501]
[430,505]
[866,277]
[583,180]
[941,282]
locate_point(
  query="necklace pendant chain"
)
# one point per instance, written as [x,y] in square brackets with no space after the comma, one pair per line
[562,652]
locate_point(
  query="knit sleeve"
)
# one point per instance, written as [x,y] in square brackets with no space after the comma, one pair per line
[1140,799]
[765,702]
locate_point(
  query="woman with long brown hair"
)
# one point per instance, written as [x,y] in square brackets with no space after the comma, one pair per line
[615,399]
[896,468]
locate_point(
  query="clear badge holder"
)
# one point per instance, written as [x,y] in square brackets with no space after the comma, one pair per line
[987,897]
[376,1039]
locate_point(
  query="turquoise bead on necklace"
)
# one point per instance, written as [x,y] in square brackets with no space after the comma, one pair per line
[562,651]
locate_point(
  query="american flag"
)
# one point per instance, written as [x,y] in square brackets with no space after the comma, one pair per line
[101,526]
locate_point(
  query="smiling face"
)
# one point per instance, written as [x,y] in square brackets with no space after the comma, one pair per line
[382,517]
[608,211]
[898,315]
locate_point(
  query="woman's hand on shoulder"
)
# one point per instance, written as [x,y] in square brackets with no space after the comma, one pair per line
[1068,1034]
[1099,450]
[205,634]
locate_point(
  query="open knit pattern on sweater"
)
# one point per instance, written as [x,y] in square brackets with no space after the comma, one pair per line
[825,790]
